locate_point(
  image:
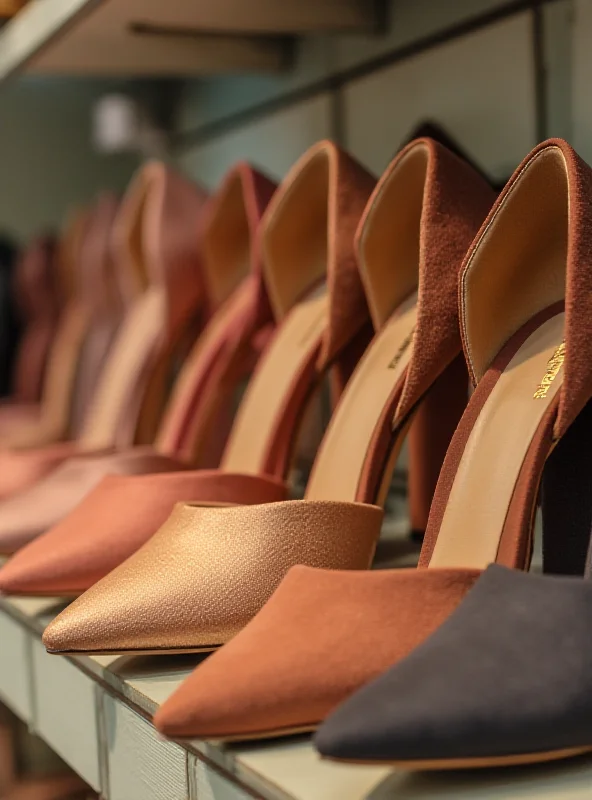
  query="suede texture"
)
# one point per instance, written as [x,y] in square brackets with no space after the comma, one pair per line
[453,202]
[509,673]
[279,684]
[345,187]
[456,199]
[301,655]
[29,513]
[311,667]
[577,383]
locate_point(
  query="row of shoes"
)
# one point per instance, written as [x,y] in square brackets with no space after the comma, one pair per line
[403,292]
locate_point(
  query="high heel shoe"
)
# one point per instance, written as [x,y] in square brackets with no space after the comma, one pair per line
[484,504]
[506,679]
[325,195]
[334,631]
[158,252]
[191,430]
[207,572]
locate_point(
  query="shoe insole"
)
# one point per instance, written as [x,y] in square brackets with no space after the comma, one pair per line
[479,500]
[338,466]
[120,385]
[296,342]
[172,433]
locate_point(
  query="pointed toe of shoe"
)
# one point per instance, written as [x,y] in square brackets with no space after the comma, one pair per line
[210,714]
[229,698]
[370,726]
[62,635]
[321,636]
[501,681]
[87,625]
[24,577]
[208,570]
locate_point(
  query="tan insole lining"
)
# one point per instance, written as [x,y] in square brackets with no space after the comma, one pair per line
[296,339]
[341,458]
[473,521]
[126,362]
[187,383]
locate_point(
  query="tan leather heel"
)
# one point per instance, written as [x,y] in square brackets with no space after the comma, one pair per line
[413,234]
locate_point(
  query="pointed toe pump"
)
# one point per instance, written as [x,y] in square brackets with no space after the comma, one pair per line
[506,679]
[211,569]
[333,631]
[99,535]
[192,430]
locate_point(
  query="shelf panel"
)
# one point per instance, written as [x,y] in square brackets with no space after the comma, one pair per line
[66,713]
[178,37]
[139,763]
[112,737]
[15,683]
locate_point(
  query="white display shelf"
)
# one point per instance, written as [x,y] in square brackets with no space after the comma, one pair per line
[177,37]
[95,713]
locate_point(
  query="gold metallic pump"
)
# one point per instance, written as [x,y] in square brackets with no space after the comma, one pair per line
[208,571]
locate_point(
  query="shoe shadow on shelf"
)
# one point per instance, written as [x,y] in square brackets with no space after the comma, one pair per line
[132,667]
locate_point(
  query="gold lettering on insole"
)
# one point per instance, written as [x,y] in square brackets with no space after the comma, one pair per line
[404,345]
[554,364]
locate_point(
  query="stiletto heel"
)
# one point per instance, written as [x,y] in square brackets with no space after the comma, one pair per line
[566,499]
[429,436]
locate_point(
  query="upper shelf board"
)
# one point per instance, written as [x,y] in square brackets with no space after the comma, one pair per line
[176,37]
